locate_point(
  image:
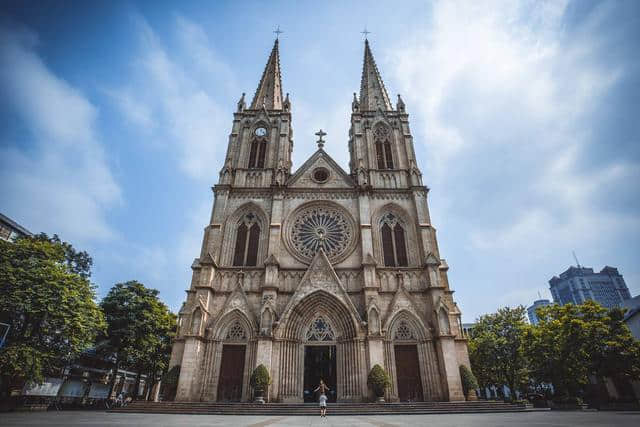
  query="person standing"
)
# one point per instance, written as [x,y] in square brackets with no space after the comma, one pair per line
[322,388]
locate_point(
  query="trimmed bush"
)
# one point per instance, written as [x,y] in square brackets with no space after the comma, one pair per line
[260,378]
[469,381]
[378,380]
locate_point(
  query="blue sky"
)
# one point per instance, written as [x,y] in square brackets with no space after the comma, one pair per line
[115,118]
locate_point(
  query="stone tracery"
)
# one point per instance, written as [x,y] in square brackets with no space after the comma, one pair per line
[321,226]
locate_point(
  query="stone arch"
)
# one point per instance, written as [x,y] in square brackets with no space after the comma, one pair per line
[221,327]
[410,319]
[230,232]
[320,302]
[411,236]
[406,328]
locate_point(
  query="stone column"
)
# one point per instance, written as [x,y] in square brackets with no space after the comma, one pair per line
[188,381]
[450,371]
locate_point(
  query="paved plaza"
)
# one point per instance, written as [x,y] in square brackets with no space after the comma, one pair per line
[533,419]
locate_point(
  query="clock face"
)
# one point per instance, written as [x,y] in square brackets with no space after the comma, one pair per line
[261,131]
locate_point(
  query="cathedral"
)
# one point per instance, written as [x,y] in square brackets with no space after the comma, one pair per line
[319,273]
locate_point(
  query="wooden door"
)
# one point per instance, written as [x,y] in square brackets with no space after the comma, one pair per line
[408,373]
[231,373]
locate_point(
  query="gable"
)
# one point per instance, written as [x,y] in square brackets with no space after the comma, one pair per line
[304,176]
[320,276]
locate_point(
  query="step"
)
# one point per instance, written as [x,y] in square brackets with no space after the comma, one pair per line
[312,408]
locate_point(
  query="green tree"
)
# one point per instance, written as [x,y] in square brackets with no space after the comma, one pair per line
[496,349]
[50,305]
[572,342]
[139,330]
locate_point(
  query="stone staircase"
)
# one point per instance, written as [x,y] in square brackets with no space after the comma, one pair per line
[206,408]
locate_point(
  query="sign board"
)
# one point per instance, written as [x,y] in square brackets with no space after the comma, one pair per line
[49,387]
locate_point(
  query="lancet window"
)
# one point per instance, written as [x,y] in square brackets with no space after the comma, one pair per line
[258,149]
[320,330]
[394,249]
[247,241]
[384,154]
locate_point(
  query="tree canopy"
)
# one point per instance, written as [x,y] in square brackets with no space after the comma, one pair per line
[496,348]
[49,303]
[139,328]
[572,342]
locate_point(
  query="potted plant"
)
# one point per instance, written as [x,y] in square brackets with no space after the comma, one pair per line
[260,380]
[469,383]
[379,381]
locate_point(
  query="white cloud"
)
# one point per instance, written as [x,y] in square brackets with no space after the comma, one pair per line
[59,181]
[181,101]
[507,99]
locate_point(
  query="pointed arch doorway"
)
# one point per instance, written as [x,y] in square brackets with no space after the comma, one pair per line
[320,361]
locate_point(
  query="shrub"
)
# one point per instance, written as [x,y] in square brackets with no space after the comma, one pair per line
[260,378]
[469,381]
[378,380]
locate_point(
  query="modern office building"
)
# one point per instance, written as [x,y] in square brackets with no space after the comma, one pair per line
[11,230]
[531,311]
[578,284]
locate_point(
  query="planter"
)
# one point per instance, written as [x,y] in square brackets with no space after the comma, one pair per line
[259,397]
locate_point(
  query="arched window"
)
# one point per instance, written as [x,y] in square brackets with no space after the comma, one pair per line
[394,248]
[247,241]
[257,154]
[258,149]
[384,154]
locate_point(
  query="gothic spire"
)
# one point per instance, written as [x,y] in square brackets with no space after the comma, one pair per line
[269,92]
[372,91]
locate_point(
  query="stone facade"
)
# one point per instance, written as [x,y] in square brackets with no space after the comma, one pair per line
[290,260]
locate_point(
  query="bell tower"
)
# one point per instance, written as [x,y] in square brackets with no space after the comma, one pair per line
[380,141]
[261,140]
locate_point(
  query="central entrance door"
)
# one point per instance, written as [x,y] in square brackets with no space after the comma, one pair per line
[408,373]
[231,373]
[319,364]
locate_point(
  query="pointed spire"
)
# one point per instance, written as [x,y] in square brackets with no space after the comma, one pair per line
[269,92]
[373,94]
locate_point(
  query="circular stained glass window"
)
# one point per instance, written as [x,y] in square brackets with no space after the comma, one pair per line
[320,175]
[320,225]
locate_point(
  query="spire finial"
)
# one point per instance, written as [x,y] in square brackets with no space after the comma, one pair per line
[365,33]
[278,32]
[320,141]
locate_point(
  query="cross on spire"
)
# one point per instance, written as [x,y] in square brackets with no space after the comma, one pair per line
[320,141]
[365,32]
[278,32]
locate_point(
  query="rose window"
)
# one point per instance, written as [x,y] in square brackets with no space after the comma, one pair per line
[404,332]
[323,227]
